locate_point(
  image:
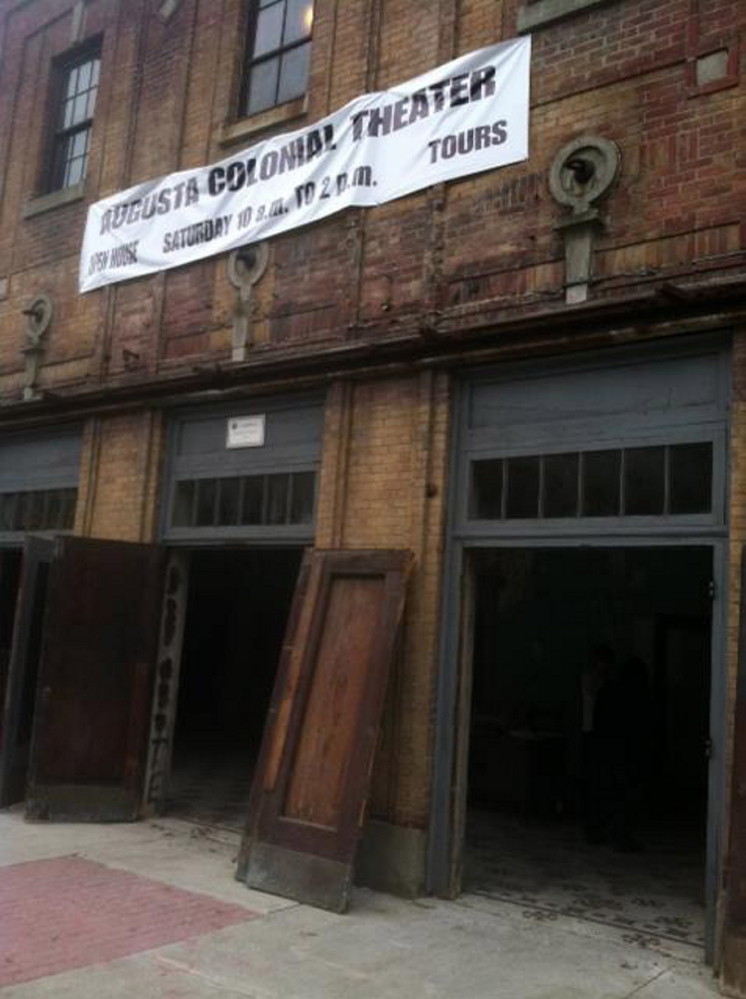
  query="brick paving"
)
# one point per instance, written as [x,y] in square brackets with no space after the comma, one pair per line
[66,913]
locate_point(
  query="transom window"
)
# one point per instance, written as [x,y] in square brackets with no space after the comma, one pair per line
[38,510]
[278,53]
[245,501]
[663,480]
[74,121]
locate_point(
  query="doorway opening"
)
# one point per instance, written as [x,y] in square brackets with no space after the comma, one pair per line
[236,612]
[588,769]
[10,576]
[24,580]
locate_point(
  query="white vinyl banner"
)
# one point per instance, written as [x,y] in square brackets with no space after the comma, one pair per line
[462,118]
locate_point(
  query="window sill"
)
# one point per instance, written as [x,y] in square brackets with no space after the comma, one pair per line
[234,132]
[544,12]
[55,199]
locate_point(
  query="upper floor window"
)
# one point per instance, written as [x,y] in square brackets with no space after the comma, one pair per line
[74,121]
[278,53]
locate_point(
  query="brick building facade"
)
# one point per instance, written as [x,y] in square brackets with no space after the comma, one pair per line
[415,331]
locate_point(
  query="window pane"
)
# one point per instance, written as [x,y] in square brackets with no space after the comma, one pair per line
[253,500]
[79,108]
[486,490]
[84,76]
[20,515]
[690,471]
[301,506]
[207,494]
[96,67]
[67,113]
[268,36]
[54,510]
[69,499]
[644,481]
[263,86]
[78,144]
[7,511]
[294,73]
[277,499]
[75,171]
[182,513]
[561,485]
[523,487]
[34,511]
[230,491]
[71,84]
[601,473]
[299,20]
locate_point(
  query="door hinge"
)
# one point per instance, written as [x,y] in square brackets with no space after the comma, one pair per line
[711,589]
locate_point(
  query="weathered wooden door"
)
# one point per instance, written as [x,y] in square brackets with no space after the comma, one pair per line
[309,794]
[733,957]
[20,693]
[95,681]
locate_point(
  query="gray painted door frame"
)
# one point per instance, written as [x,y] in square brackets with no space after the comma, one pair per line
[196,450]
[448,804]
[447,820]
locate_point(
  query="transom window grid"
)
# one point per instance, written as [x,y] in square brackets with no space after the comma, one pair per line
[273,499]
[664,480]
[74,121]
[278,53]
[38,510]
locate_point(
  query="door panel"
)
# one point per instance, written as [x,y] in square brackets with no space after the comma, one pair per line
[308,799]
[95,681]
[23,670]
[734,934]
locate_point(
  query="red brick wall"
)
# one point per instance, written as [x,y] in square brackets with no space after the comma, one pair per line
[623,70]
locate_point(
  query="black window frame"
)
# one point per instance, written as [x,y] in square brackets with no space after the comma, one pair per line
[250,63]
[59,134]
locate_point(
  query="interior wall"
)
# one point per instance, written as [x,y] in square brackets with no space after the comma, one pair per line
[539,615]
[238,605]
[10,572]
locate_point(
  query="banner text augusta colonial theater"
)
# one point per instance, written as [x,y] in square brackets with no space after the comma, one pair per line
[462,118]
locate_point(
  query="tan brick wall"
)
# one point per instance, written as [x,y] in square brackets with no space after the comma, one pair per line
[383,486]
[120,477]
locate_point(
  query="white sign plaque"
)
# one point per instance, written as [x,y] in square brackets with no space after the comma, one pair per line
[246,431]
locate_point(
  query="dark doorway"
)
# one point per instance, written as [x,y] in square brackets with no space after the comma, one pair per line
[23,581]
[237,610]
[588,785]
[10,574]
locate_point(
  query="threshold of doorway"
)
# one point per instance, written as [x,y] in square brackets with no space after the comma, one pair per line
[587,926]
[197,829]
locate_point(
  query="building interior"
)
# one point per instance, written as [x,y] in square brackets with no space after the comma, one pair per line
[10,574]
[237,609]
[547,827]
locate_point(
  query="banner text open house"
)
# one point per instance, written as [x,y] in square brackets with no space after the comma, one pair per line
[468,116]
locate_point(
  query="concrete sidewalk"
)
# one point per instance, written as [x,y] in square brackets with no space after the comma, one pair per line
[151,911]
